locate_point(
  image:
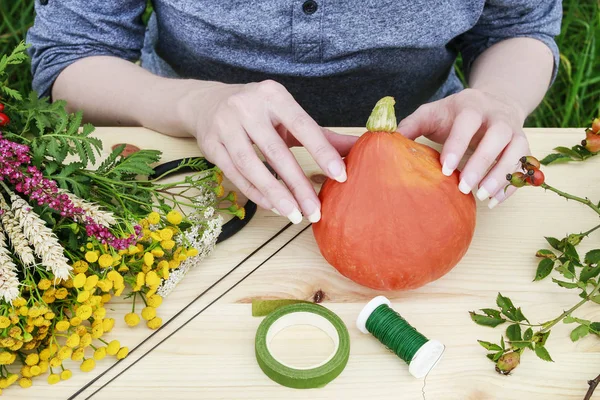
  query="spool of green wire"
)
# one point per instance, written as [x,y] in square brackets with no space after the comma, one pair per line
[383,322]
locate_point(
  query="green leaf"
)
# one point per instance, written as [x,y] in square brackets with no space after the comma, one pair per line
[502,343]
[567,285]
[554,158]
[585,153]
[569,320]
[490,312]
[554,242]
[528,334]
[513,332]
[588,273]
[567,270]
[486,321]
[579,332]
[489,346]
[568,152]
[595,328]
[542,353]
[596,299]
[544,269]
[571,252]
[592,257]
[521,344]
[504,302]
[519,315]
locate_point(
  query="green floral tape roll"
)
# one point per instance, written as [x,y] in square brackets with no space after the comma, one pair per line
[303,314]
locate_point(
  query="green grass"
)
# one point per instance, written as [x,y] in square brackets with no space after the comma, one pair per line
[573,100]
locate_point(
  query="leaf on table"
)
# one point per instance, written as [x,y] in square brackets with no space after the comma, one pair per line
[544,269]
[588,273]
[489,346]
[554,242]
[513,332]
[504,302]
[579,332]
[521,344]
[570,251]
[567,270]
[595,328]
[568,152]
[545,253]
[567,285]
[542,353]
[528,334]
[486,320]
[490,312]
[592,257]
[596,299]
[540,337]
[555,158]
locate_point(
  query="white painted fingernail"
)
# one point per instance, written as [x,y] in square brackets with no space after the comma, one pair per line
[312,209]
[464,187]
[482,194]
[275,211]
[289,210]
[493,203]
[338,171]
[450,164]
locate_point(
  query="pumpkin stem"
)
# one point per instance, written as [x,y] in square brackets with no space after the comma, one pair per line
[383,116]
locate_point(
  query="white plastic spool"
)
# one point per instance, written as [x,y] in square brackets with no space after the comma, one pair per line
[426,357]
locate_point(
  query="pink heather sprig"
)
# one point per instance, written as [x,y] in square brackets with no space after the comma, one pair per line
[14,158]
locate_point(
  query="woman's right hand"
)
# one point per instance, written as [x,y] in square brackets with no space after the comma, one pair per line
[267,115]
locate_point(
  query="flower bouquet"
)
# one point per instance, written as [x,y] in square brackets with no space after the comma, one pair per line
[76,232]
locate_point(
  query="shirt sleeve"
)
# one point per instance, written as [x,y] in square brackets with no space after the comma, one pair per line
[65,31]
[505,19]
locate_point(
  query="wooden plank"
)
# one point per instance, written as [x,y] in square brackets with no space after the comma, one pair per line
[213,356]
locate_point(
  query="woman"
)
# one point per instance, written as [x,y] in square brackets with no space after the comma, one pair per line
[273,72]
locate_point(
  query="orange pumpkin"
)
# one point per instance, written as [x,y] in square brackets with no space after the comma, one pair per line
[397,223]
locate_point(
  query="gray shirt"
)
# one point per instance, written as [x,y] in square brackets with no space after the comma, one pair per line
[336,57]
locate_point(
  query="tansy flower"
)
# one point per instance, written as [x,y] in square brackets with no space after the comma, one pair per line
[158,252]
[152,279]
[167,244]
[55,362]
[4,322]
[44,284]
[61,293]
[66,374]
[25,382]
[174,217]
[166,234]
[91,256]
[100,353]
[73,340]
[35,370]
[108,324]
[78,354]
[153,218]
[65,352]
[84,311]
[154,301]
[148,259]
[105,260]
[32,359]
[86,340]
[43,366]
[53,379]
[83,296]
[88,365]
[113,347]
[132,319]
[154,323]
[122,353]
[148,313]
[90,282]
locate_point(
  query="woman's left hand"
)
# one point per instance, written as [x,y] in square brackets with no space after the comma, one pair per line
[489,124]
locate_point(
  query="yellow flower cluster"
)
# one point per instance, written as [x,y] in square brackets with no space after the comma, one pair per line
[149,263]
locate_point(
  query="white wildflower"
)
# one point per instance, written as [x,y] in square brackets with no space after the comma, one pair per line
[44,242]
[100,216]
[17,240]
[9,282]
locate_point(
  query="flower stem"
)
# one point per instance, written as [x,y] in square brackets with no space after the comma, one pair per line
[548,325]
[585,201]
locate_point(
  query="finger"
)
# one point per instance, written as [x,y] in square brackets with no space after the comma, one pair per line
[491,146]
[217,154]
[282,160]
[465,126]
[431,120]
[253,169]
[342,143]
[501,196]
[310,135]
[508,163]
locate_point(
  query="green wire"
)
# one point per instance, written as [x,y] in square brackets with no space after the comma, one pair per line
[395,333]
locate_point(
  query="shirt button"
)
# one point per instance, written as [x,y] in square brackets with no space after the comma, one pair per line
[310,7]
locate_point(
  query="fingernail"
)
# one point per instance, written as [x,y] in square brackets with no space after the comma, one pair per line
[289,210]
[493,203]
[483,193]
[450,164]
[275,211]
[310,208]
[464,187]
[338,171]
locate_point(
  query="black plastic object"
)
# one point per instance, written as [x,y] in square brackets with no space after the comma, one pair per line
[232,226]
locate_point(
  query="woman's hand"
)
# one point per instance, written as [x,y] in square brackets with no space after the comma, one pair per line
[267,115]
[488,124]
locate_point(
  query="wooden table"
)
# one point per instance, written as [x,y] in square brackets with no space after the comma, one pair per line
[206,349]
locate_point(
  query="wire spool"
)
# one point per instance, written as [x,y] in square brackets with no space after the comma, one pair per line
[383,322]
